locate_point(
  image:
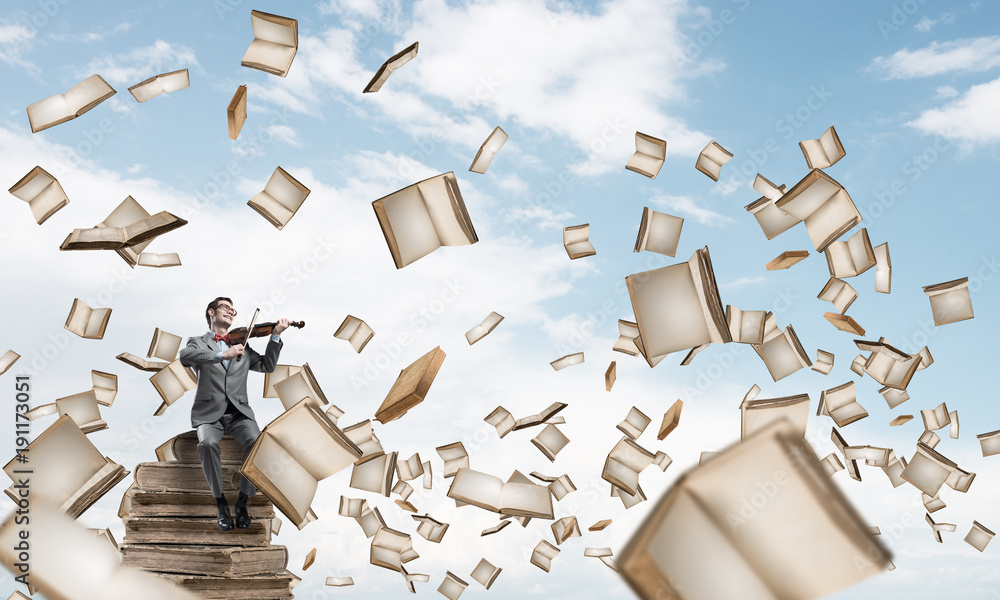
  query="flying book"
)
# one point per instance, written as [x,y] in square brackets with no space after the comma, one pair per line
[69,562]
[900,420]
[841,405]
[576,241]
[989,442]
[42,192]
[411,386]
[7,360]
[550,441]
[67,469]
[105,387]
[567,361]
[887,365]
[678,307]
[634,424]
[141,363]
[786,259]
[483,329]
[824,362]
[650,152]
[756,415]
[64,107]
[490,147]
[394,62]
[979,536]
[452,586]
[374,473]
[783,354]
[355,331]
[839,293]
[281,198]
[823,152]
[485,573]
[88,323]
[236,112]
[280,373]
[339,581]
[712,158]
[518,497]
[658,232]
[950,301]
[429,529]
[115,238]
[565,528]
[160,84]
[610,375]
[746,326]
[671,419]
[300,386]
[604,554]
[150,259]
[127,212]
[164,345]
[852,257]
[624,463]
[275,42]
[844,323]
[823,205]
[883,268]
[455,458]
[805,541]
[424,216]
[293,453]
[172,382]
[627,332]
[936,418]
[928,470]
[391,549]
[772,220]
[543,554]
[82,408]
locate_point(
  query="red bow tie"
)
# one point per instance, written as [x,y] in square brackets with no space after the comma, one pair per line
[224,338]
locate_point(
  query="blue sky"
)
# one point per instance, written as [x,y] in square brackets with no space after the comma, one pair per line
[912,88]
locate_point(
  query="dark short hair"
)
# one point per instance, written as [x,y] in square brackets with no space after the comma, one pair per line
[213,305]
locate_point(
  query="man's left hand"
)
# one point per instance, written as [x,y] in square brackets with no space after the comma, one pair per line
[281,326]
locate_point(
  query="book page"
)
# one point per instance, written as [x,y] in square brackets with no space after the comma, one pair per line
[410,224]
[439,198]
[668,309]
[48,112]
[88,92]
[479,489]
[276,57]
[272,28]
[286,190]
[313,443]
[283,471]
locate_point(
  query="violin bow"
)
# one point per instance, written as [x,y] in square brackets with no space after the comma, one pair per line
[249,330]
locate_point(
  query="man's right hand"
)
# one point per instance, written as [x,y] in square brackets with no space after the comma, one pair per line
[233,352]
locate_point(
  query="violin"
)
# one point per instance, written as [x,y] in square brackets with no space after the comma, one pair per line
[239,335]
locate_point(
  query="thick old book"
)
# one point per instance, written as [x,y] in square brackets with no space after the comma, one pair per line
[295,451]
[141,363]
[42,192]
[678,307]
[175,476]
[270,586]
[488,150]
[67,469]
[63,107]
[236,112]
[394,62]
[823,205]
[411,386]
[67,561]
[355,331]
[163,83]
[700,541]
[671,419]
[650,152]
[851,257]
[610,375]
[576,241]
[844,323]
[823,152]
[184,448]
[839,293]
[950,301]
[756,415]
[518,497]
[281,198]
[151,259]
[484,328]
[115,238]
[156,503]
[658,232]
[786,259]
[217,561]
[172,382]
[88,323]
[424,216]
[712,158]
[275,42]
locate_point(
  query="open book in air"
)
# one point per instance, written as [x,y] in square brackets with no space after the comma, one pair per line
[484,328]
[42,192]
[172,382]
[825,151]
[83,408]
[160,84]
[281,198]
[275,42]
[424,216]
[823,205]
[295,451]
[658,232]
[950,301]
[518,497]
[650,152]
[63,107]
[115,238]
[771,219]
[86,322]
[394,62]
[576,241]
[678,307]
[712,158]
[851,257]
[355,331]
[705,540]
[150,259]
[490,147]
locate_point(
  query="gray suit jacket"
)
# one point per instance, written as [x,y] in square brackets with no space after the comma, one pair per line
[216,384]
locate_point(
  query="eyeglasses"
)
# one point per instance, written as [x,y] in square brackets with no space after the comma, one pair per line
[226,307]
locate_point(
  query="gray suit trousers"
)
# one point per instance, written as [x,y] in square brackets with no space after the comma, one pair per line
[244,430]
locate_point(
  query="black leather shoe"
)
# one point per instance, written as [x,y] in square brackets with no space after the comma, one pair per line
[242,517]
[225,521]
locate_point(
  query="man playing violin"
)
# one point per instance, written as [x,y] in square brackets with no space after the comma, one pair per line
[220,404]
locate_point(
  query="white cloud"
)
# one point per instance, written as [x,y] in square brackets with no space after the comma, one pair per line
[687,207]
[742,282]
[924,25]
[285,134]
[543,218]
[972,118]
[959,56]
[945,91]
[16,41]
[87,37]
[141,63]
